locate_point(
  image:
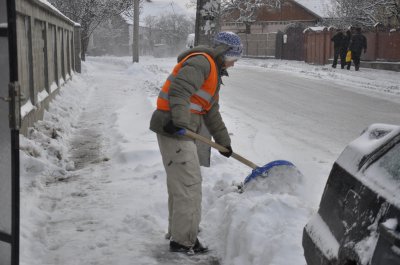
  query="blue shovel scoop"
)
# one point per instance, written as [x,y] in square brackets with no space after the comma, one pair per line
[257,171]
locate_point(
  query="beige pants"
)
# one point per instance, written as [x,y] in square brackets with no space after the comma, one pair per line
[184,179]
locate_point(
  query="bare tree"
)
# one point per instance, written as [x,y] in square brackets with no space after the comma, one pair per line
[112,37]
[245,11]
[365,13]
[174,28]
[90,14]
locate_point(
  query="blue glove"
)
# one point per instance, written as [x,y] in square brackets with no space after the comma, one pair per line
[173,130]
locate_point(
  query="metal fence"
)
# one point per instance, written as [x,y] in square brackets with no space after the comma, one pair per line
[259,45]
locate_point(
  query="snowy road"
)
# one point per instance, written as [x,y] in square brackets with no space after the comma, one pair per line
[317,109]
[309,120]
[93,186]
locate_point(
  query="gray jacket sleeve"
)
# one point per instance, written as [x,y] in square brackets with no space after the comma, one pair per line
[216,126]
[189,79]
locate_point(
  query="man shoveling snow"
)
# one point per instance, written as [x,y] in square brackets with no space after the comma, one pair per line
[189,97]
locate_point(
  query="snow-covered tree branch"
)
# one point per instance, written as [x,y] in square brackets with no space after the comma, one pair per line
[366,13]
[90,14]
[174,28]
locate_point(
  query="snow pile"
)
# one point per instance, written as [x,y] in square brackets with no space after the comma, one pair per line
[44,161]
[46,141]
[278,179]
[256,228]
[26,108]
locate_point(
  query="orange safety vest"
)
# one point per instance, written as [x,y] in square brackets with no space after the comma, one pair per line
[202,100]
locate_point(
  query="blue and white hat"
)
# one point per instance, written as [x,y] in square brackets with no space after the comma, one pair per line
[233,41]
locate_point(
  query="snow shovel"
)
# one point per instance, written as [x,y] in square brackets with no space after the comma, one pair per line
[257,171]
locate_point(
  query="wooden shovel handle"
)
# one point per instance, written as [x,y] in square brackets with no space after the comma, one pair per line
[221,148]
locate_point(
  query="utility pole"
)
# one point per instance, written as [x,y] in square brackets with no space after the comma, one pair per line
[207,21]
[207,25]
[135,42]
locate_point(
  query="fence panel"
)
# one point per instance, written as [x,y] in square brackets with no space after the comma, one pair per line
[259,45]
[321,47]
[45,50]
[25,53]
[39,57]
[372,45]
[382,46]
[391,50]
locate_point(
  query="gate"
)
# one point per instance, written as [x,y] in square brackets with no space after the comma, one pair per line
[279,45]
[9,136]
[293,42]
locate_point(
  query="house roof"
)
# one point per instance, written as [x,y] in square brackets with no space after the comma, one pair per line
[318,7]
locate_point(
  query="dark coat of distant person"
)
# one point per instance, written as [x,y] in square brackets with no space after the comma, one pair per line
[358,43]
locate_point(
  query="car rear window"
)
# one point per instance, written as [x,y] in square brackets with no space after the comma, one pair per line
[383,176]
[390,162]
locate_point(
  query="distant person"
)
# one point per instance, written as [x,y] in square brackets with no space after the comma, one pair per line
[189,97]
[345,44]
[358,43]
[337,46]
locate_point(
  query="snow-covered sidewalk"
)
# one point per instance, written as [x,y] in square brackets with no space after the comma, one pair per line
[93,186]
[109,206]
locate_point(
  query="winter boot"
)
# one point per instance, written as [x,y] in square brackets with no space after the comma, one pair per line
[199,248]
[196,249]
[176,247]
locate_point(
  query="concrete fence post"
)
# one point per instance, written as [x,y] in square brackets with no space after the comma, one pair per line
[77,44]
[376,52]
[46,57]
[32,90]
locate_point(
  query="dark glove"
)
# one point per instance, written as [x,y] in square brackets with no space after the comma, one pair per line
[172,129]
[227,154]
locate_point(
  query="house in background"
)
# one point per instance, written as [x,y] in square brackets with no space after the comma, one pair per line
[267,20]
[267,36]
